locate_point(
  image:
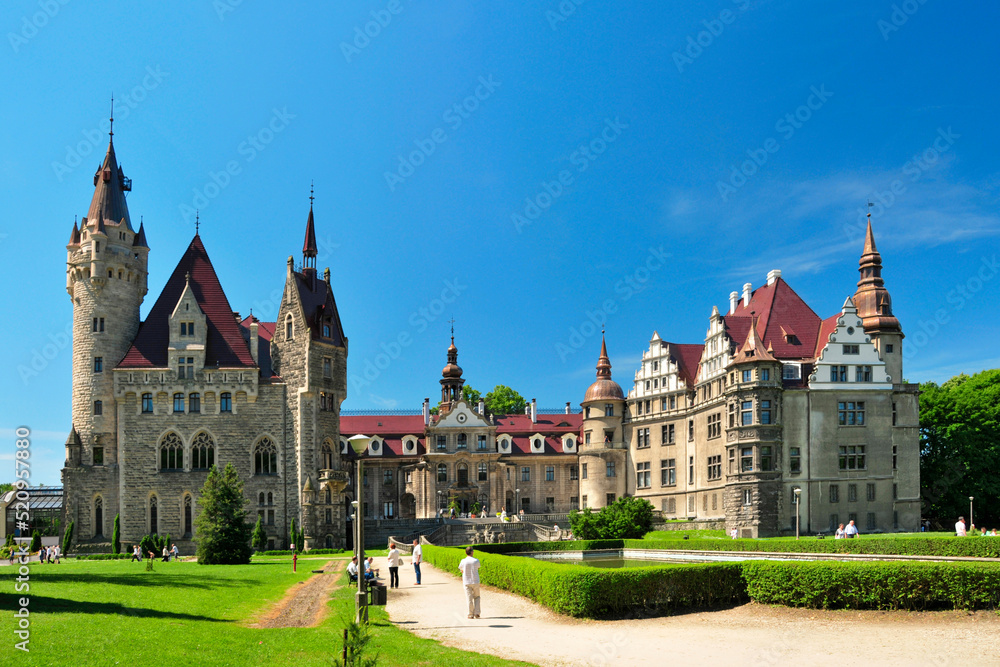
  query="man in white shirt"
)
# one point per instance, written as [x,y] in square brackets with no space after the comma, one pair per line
[395,560]
[469,567]
[352,568]
[960,527]
[418,557]
[851,531]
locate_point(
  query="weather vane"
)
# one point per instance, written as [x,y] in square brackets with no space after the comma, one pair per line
[197,222]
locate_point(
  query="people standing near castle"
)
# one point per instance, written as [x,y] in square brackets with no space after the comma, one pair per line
[469,567]
[840,533]
[54,553]
[960,527]
[41,555]
[173,552]
[418,557]
[395,560]
[136,554]
[851,530]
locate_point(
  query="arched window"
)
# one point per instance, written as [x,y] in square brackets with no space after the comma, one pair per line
[265,458]
[327,456]
[289,328]
[329,541]
[260,498]
[98,517]
[463,473]
[187,516]
[442,472]
[328,497]
[153,522]
[171,453]
[270,498]
[202,452]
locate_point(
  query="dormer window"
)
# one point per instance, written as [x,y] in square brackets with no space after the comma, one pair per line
[185,368]
[326,330]
[187,328]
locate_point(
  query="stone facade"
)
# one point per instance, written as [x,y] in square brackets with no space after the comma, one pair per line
[195,387]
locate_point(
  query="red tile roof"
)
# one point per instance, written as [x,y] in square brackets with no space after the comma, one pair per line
[688,358]
[225,346]
[777,306]
[828,326]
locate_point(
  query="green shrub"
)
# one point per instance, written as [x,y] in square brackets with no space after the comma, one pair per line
[982,547]
[116,536]
[36,541]
[874,585]
[68,538]
[104,556]
[259,538]
[628,517]
[311,552]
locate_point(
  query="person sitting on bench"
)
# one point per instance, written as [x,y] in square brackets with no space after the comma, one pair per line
[352,569]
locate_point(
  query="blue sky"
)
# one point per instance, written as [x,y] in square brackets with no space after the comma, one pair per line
[593,159]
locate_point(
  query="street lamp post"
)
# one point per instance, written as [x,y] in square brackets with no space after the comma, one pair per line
[798,495]
[517,502]
[971,522]
[359,444]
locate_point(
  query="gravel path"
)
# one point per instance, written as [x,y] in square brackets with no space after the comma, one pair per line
[513,627]
[304,606]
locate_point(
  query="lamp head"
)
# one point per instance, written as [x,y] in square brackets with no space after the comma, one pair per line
[359,443]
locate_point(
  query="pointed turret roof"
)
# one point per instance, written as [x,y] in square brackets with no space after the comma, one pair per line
[225,345]
[74,236]
[110,186]
[73,438]
[309,245]
[872,298]
[140,238]
[753,348]
[604,388]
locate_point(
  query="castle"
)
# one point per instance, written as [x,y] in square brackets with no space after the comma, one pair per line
[779,420]
[157,403]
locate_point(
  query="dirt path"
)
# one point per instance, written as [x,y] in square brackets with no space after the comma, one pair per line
[513,627]
[304,606]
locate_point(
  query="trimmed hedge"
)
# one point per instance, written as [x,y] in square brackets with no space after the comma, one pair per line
[579,590]
[872,585]
[981,547]
[314,552]
[572,545]
[104,556]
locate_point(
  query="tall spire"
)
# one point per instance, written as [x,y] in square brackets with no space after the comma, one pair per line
[309,249]
[603,362]
[872,298]
[451,377]
[604,388]
[110,185]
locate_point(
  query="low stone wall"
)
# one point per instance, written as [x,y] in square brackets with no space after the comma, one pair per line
[691,525]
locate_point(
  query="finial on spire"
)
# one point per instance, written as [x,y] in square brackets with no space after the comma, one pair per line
[197,222]
[311,197]
[870,205]
[452,322]
[111,127]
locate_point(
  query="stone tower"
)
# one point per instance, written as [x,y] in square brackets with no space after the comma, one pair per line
[106,266]
[875,309]
[451,379]
[604,452]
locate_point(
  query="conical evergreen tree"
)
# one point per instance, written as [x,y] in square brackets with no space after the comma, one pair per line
[116,536]
[223,531]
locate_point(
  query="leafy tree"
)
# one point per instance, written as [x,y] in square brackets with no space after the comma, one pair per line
[505,401]
[627,518]
[223,531]
[960,448]
[68,538]
[36,541]
[293,536]
[259,539]
[147,544]
[116,536]
[5,487]
[470,395]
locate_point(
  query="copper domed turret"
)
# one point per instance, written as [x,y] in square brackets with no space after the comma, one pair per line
[452,370]
[872,298]
[604,388]
[451,379]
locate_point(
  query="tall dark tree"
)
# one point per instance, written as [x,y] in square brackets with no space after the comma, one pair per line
[259,539]
[293,536]
[960,448]
[223,531]
[504,401]
[67,541]
[116,536]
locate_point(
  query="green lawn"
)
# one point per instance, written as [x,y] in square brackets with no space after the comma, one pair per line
[182,613]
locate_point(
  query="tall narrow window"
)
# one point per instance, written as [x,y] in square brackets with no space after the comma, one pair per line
[98,364]
[178,402]
[482,472]
[202,452]
[147,403]
[691,470]
[171,452]
[265,458]
[765,412]
[98,456]
[194,403]
[610,469]
[154,523]
[225,402]
[289,328]
[327,367]
[326,453]
[442,472]
[98,407]
[746,413]
[668,472]
[98,517]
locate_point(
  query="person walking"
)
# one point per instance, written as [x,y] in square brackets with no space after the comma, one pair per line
[469,566]
[395,560]
[840,533]
[54,553]
[174,553]
[136,554]
[418,557]
[960,527]
[851,531]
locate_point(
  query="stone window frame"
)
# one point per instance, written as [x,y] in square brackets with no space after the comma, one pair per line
[97,504]
[176,443]
[152,514]
[225,402]
[198,442]
[326,455]
[262,442]
[187,505]
[142,403]
[289,327]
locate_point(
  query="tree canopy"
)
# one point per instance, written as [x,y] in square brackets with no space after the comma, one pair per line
[960,448]
[223,531]
[627,518]
[504,401]
[470,395]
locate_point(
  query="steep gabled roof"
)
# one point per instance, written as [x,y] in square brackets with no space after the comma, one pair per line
[779,311]
[318,304]
[225,345]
